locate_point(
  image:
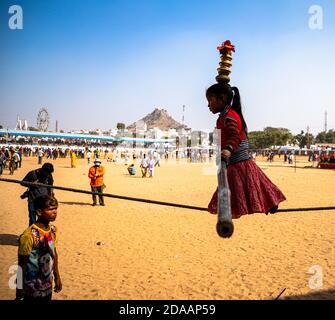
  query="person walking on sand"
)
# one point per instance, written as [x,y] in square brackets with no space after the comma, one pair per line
[151,166]
[88,156]
[144,166]
[12,161]
[73,159]
[290,158]
[96,174]
[37,254]
[40,155]
[17,160]
[157,158]
[42,175]
[20,153]
[2,161]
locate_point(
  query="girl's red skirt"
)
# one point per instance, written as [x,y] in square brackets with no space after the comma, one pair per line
[251,190]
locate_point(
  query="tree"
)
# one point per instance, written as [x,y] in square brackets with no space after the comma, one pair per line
[326,137]
[321,137]
[269,137]
[1,127]
[278,136]
[304,139]
[257,140]
[120,126]
[309,139]
[299,139]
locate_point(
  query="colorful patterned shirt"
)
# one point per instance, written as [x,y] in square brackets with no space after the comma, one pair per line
[40,246]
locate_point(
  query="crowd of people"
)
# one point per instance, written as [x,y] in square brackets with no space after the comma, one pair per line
[42,205]
[37,252]
[10,158]
[327,158]
[38,243]
[41,237]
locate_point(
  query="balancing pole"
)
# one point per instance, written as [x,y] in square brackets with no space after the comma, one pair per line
[224,226]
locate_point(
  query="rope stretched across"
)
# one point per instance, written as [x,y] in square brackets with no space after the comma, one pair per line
[162,203]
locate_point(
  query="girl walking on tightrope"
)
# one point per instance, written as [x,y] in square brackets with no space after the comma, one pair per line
[251,190]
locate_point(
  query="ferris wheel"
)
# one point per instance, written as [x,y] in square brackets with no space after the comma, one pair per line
[43,119]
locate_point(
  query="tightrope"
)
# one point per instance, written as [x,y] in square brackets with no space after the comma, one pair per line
[161,203]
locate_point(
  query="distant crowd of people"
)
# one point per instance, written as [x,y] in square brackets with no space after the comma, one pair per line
[289,157]
[270,155]
[11,159]
[327,158]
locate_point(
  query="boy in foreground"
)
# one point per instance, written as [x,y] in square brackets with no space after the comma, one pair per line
[38,257]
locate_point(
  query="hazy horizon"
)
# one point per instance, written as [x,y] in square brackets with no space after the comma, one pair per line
[94,64]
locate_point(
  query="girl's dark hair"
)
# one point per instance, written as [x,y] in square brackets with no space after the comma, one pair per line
[46,201]
[229,94]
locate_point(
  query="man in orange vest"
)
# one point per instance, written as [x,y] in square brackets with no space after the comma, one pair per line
[96,174]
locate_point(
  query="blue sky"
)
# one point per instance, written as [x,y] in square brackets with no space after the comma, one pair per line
[96,63]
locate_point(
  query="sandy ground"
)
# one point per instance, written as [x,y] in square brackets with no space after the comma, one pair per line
[155,252]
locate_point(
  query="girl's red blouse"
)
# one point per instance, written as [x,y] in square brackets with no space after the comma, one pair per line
[232,132]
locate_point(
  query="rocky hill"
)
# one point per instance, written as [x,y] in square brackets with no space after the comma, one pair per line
[159,118]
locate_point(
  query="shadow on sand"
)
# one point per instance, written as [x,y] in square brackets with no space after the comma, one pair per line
[76,203]
[315,295]
[132,177]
